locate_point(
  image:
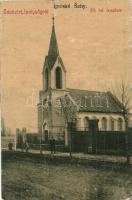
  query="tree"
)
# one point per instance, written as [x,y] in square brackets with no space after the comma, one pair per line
[69,109]
[123,93]
[70,115]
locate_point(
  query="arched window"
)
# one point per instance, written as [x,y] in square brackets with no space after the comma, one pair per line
[86,123]
[104,124]
[112,123]
[120,124]
[46,79]
[58,74]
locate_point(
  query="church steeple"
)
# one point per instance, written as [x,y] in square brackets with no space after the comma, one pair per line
[54,72]
[53,47]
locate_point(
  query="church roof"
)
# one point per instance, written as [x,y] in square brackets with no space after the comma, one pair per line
[53,48]
[95,101]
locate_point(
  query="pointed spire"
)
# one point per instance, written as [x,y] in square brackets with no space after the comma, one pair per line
[53,47]
[53,18]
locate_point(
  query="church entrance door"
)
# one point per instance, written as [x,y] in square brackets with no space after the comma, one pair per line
[46,132]
[46,135]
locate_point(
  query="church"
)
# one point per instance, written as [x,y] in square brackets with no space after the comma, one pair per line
[54,100]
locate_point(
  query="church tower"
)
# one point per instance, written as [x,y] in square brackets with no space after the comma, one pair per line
[54,72]
[50,121]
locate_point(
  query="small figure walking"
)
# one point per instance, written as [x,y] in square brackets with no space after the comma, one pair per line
[10,146]
[52,145]
[26,146]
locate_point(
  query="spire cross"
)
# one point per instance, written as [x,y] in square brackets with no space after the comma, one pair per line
[53,18]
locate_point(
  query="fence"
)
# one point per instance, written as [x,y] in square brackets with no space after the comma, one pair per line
[35,143]
[106,142]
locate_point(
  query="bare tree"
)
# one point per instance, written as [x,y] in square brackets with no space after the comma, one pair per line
[123,94]
[69,111]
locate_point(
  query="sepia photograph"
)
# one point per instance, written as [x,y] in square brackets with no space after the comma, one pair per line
[66,100]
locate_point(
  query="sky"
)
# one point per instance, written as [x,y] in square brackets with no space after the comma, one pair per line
[96,48]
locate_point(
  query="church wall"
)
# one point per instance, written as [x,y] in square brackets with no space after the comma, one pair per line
[44,80]
[52,116]
[58,124]
[99,116]
[39,119]
[130,121]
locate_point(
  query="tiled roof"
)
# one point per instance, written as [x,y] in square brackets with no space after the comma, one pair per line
[95,101]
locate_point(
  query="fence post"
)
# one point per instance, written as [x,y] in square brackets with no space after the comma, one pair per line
[127,148]
[70,138]
[41,143]
[70,130]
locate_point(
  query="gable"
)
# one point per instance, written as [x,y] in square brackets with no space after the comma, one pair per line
[58,63]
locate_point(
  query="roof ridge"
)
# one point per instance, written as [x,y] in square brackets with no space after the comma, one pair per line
[86,90]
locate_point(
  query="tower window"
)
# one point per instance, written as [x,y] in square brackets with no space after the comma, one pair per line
[58,75]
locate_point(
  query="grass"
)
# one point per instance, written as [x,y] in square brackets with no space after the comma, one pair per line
[30,179]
